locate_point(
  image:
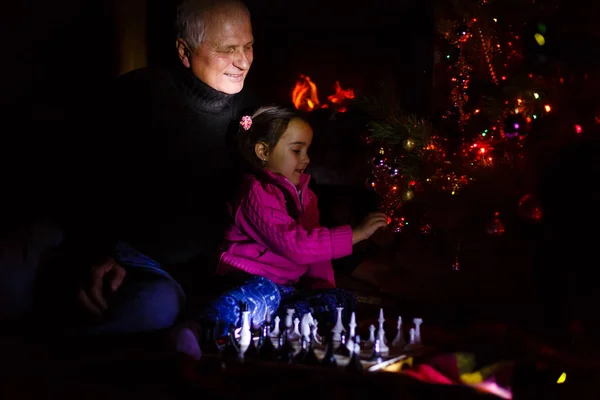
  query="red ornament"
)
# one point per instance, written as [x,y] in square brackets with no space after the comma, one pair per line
[425,229]
[530,208]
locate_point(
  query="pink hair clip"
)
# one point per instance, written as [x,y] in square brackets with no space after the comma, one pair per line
[246,122]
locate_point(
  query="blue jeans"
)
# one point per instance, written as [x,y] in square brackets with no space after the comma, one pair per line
[264,297]
[147,300]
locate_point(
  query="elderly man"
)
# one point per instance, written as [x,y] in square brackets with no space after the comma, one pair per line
[160,177]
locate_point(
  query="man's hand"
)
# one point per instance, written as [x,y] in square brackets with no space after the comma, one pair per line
[109,273]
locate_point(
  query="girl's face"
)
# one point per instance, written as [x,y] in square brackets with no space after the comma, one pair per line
[289,157]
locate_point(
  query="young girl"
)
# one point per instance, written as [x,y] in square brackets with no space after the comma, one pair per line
[275,248]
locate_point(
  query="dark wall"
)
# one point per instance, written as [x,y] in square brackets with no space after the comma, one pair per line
[54,55]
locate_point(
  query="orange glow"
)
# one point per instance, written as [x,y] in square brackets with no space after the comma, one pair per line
[305,96]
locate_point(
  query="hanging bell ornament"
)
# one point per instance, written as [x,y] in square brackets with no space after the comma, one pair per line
[408,144]
[496,226]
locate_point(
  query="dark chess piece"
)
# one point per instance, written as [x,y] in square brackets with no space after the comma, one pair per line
[310,357]
[208,340]
[354,365]
[299,358]
[285,351]
[329,359]
[342,350]
[252,351]
[376,355]
[266,350]
[232,349]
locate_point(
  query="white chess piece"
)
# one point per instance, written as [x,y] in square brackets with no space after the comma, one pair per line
[305,324]
[381,320]
[417,322]
[289,319]
[295,335]
[356,346]
[275,333]
[352,333]
[381,336]
[246,333]
[371,340]
[314,332]
[399,339]
[411,343]
[339,326]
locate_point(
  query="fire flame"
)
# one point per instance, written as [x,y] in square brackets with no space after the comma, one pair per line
[305,97]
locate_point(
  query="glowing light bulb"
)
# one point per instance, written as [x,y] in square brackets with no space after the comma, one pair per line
[539,38]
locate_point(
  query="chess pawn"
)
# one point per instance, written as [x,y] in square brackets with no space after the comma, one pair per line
[299,358]
[339,326]
[399,339]
[295,335]
[285,350]
[376,355]
[342,350]
[329,358]
[412,337]
[417,322]
[352,333]
[371,341]
[208,342]
[276,332]
[266,350]
[354,365]
[231,350]
[289,319]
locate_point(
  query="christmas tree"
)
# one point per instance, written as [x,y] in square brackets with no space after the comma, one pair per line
[501,108]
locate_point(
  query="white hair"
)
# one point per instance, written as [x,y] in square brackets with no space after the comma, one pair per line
[193,17]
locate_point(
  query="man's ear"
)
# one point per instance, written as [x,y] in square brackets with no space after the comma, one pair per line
[184,53]
[262,151]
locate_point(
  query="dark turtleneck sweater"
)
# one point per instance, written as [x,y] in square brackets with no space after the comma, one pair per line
[164,155]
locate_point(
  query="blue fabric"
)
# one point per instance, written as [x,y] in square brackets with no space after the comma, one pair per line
[127,256]
[146,301]
[264,297]
[149,298]
[261,294]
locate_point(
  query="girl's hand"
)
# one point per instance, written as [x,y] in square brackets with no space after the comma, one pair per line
[368,227]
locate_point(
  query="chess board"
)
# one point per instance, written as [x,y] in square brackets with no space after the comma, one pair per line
[392,360]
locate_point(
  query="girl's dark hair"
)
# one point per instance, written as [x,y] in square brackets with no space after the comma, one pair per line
[269,123]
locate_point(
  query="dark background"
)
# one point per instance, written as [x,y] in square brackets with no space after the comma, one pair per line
[58,55]
[328,41]
[55,50]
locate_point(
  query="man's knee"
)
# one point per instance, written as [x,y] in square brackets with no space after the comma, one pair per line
[151,304]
